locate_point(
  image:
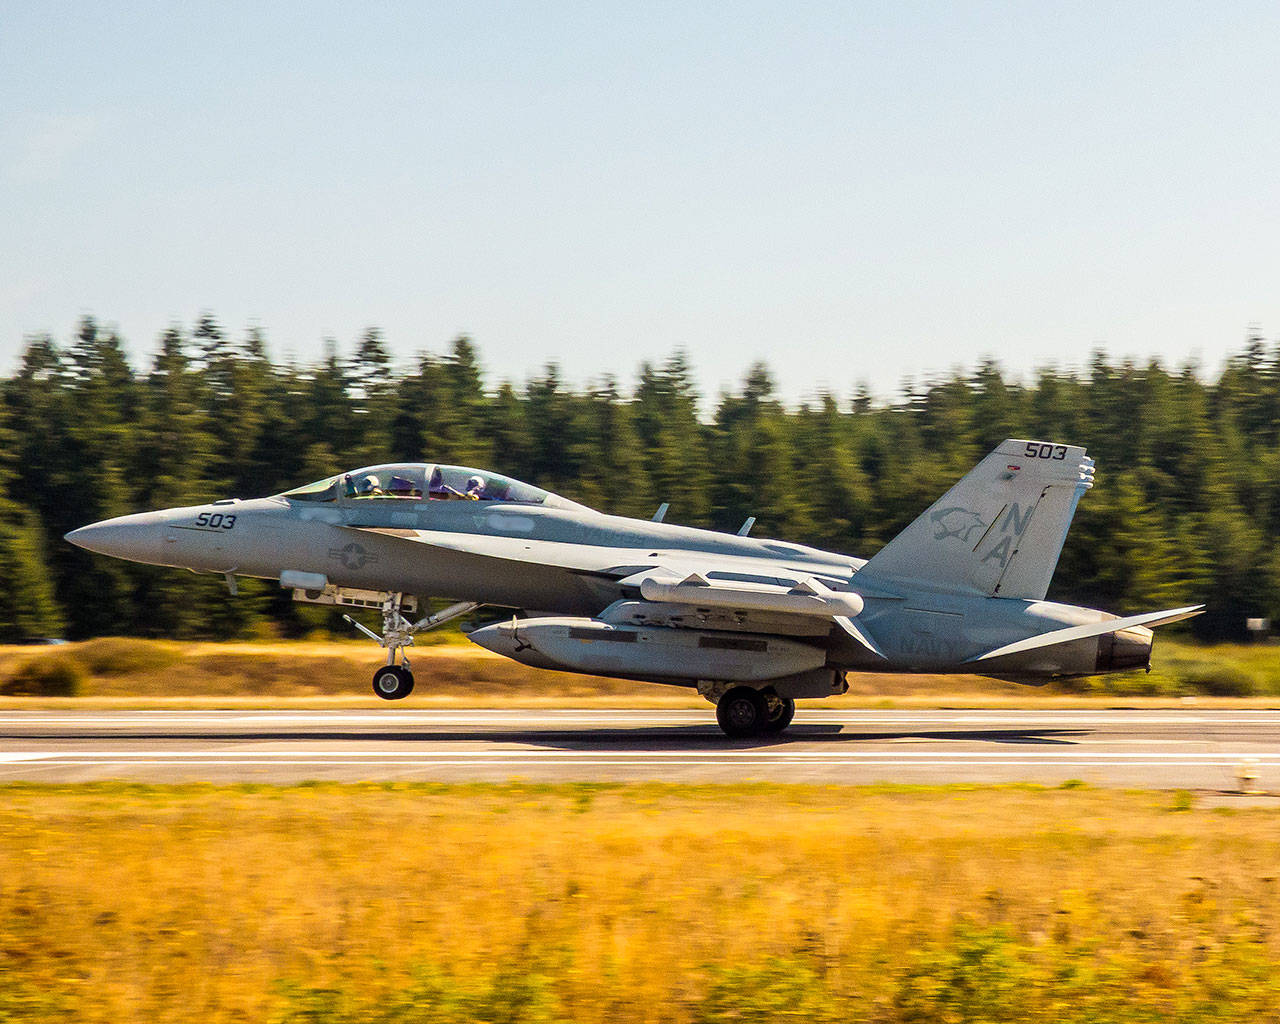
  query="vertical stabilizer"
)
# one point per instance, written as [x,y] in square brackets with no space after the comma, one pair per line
[998,532]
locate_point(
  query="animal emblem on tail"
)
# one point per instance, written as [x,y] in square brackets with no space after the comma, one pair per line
[956,522]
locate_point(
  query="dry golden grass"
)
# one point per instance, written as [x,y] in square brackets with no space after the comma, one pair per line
[116,667]
[633,903]
[115,671]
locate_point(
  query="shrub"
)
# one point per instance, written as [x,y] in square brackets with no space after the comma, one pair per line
[777,988]
[1119,684]
[1219,679]
[50,676]
[983,975]
[432,997]
[119,656]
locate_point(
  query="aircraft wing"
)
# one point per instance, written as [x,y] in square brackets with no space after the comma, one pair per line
[671,577]
[605,560]
[583,557]
[1065,636]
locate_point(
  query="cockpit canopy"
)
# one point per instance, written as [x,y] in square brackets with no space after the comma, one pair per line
[419,481]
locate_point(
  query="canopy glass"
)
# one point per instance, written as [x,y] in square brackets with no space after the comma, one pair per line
[418,481]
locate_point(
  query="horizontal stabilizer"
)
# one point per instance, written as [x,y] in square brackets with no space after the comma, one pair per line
[1065,636]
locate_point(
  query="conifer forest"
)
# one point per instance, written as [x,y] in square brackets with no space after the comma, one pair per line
[1186,508]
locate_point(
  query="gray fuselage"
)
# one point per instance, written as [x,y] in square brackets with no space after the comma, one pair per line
[565,559]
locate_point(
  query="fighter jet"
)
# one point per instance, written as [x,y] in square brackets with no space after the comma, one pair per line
[752,624]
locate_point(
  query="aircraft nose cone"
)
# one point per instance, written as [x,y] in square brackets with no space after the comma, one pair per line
[92,537]
[78,537]
[130,537]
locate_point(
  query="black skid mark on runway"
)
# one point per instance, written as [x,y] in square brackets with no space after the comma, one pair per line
[710,738]
[674,738]
[1035,737]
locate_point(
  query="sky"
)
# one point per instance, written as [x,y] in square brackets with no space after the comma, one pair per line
[852,192]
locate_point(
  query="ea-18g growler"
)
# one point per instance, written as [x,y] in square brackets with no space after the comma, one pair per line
[752,624]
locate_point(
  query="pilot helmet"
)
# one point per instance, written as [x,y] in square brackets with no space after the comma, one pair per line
[368,484]
[475,484]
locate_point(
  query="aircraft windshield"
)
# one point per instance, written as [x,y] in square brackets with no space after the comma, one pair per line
[419,481]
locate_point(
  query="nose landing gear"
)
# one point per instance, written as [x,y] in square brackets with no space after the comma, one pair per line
[392,681]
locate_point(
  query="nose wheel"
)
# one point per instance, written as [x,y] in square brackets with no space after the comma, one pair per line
[393,682]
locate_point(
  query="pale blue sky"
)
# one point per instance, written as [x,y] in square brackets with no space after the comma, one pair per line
[851,191]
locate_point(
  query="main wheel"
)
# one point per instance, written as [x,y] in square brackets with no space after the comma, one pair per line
[742,711]
[393,682]
[780,712]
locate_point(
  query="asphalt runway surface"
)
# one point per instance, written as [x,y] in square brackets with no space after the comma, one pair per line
[1157,749]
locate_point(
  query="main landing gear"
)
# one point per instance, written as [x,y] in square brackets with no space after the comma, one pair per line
[392,681]
[745,711]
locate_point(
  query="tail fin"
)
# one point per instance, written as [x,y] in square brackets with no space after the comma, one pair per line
[999,531]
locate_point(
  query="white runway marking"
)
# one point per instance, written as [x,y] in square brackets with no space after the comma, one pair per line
[1232,757]
[1192,748]
[815,714]
[623,762]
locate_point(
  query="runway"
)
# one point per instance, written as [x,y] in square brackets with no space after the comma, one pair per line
[1159,749]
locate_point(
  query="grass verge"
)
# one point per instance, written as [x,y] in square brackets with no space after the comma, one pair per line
[114,671]
[397,903]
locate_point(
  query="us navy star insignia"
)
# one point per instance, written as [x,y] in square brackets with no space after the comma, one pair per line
[352,556]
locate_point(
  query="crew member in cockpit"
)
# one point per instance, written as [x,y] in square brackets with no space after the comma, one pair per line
[436,487]
[439,489]
[475,488]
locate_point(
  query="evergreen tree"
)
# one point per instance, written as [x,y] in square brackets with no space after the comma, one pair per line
[371,387]
[207,343]
[1186,508]
[838,494]
[548,417]
[418,430]
[176,454]
[464,412]
[507,434]
[27,606]
[675,447]
[603,443]
[756,469]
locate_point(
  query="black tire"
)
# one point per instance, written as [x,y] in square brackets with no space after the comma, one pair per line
[742,711]
[779,714]
[393,682]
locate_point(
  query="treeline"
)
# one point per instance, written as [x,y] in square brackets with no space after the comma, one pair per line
[1186,507]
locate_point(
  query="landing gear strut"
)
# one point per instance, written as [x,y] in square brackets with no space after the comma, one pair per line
[392,681]
[780,712]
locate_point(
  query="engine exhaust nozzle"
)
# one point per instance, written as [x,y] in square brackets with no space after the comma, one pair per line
[1125,649]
